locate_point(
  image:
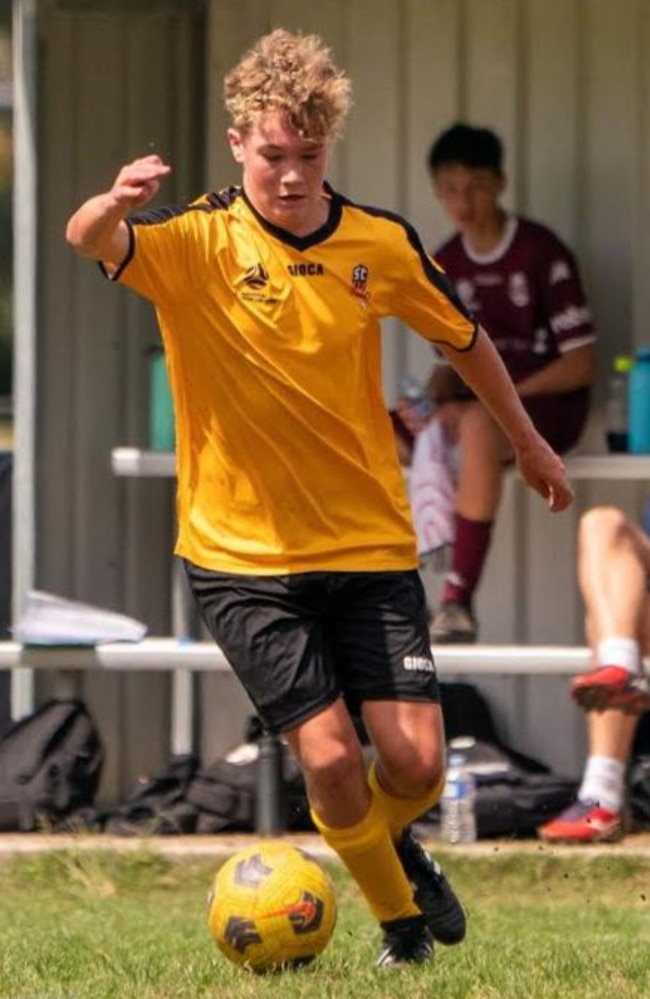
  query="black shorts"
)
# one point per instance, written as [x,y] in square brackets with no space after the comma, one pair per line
[299,642]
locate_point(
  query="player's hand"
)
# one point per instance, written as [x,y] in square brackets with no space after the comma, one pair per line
[544,471]
[138,182]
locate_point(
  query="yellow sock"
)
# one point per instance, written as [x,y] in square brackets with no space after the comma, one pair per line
[400,811]
[368,852]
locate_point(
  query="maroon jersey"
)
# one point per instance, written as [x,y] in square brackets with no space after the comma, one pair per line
[527,294]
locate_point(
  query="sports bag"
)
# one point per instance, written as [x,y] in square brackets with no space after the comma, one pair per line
[225,792]
[50,765]
[514,793]
[157,805]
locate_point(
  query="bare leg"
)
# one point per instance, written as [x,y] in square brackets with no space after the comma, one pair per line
[611,733]
[348,816]
[483,451]
[330,756]
[613,567]
[409,738]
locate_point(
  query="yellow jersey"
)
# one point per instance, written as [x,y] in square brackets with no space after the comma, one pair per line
[286,457]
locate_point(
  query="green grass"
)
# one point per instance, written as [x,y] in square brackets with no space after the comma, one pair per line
[82,924]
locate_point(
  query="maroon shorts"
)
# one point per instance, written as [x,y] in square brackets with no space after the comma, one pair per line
[560,419]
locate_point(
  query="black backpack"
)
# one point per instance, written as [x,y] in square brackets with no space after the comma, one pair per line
[50,766]
[157,806]
[515,792]
[225,793]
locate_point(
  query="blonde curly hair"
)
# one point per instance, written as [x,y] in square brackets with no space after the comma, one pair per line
[294,74]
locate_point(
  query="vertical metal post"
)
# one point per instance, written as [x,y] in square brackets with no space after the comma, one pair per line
[24,30]
[270,818]
[183,681]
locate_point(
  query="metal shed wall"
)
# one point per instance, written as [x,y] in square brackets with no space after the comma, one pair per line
[110,86]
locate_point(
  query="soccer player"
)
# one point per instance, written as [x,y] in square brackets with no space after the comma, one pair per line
[293,519]
[613,572]
[522,284]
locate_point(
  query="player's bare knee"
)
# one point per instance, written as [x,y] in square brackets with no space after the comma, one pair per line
[414,775]
[335,766]
[602,523]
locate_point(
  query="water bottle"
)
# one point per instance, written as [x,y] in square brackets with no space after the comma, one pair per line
[417,396]
[639,403]
[458,802]
[616,405]
[161,406]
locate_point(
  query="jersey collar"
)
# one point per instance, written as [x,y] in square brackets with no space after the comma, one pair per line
[303,242]
[499,251]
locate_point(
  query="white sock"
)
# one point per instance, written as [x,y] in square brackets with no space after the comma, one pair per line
[603,782]
[619,652]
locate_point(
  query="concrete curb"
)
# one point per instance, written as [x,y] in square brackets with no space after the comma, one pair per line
[21,844]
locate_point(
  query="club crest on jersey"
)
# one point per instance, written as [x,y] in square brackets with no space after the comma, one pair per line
[256,276]
[255,286]
[359,287]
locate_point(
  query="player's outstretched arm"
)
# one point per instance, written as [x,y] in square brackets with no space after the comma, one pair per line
[97,229]
[483,370]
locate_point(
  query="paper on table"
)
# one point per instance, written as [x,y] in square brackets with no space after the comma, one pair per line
[51,620]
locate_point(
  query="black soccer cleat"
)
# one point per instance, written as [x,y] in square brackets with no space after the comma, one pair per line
[406,941]
[432,893]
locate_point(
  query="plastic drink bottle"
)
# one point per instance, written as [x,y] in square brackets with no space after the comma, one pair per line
[617,404]
[161,406]
[458,802]
[639,403]
[416,395]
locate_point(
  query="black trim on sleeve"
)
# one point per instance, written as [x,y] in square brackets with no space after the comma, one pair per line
[128,257]
[436,276]
[224,198]
[158,216]
[163,213]
[463,350]
[212,201]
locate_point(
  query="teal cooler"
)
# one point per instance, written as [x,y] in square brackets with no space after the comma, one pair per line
[161,406]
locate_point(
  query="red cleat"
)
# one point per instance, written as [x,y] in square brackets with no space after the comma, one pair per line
[611,687]
[583,822]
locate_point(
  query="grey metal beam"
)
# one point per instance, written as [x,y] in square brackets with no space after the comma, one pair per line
[24,30]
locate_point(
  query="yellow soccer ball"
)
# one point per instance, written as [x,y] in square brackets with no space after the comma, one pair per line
[271,906]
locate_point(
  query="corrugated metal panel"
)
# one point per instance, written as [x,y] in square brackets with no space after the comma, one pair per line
[111,87]
[565,82]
